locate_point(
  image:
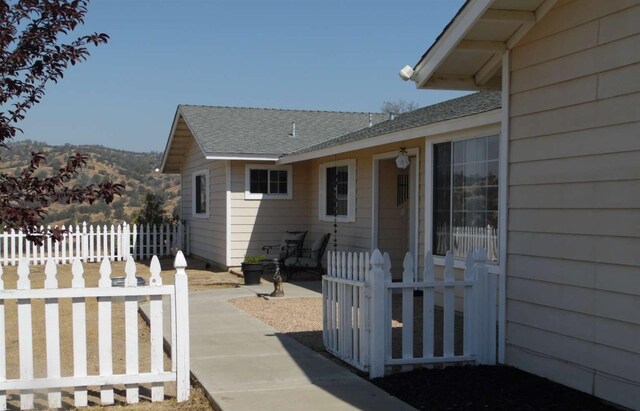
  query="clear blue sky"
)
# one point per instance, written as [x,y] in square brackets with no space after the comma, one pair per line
[299,54]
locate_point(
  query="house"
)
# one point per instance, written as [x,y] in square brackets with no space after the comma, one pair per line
[235,197]
[541,164]
[569,74]
[250,174]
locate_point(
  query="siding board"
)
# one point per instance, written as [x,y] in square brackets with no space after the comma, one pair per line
[574,199]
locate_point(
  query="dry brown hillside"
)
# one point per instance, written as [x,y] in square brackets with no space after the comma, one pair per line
[135,170]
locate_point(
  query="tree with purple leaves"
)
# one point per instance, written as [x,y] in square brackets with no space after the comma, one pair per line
[34,53]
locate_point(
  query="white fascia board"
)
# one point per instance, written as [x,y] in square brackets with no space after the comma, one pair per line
[170,139]
[462,123]
[247,157]
[449,40]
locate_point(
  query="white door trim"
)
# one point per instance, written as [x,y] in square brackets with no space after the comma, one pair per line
[414,215]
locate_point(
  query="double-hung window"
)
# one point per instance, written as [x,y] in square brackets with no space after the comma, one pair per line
[200,190]
[465,196]
[268,182]
[338,191]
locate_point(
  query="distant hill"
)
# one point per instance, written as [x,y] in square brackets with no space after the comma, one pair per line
[135,170]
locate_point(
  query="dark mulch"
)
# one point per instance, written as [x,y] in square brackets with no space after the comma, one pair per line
[484,388]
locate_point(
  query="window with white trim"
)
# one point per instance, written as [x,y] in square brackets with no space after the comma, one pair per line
[465,196]
[201,196]
[338,191]
[264,181]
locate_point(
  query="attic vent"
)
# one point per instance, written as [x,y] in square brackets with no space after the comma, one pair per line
[392,116]
[293,130]
[370,120]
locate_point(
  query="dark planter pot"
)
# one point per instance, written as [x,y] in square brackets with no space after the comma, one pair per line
[252,273]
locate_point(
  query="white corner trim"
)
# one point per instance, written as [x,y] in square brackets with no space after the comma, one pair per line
[228,213]
[351,195]
[193,194]
[492,117]
[503,204]
[174,125]
[248,195]
[450,38]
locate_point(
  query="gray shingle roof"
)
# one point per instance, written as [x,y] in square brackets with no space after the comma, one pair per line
[260,131]
[447,110]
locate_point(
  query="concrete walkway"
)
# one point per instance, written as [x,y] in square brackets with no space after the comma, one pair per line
[244,364]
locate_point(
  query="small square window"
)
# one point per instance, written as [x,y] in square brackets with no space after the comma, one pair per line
[268,182]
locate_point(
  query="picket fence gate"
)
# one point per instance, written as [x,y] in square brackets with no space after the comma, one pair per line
[106,296]
[357,298]
[91,243]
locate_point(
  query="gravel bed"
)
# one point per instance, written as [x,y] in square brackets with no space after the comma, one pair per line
[450,388]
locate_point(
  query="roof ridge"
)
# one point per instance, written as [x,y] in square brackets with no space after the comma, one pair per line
[282,109]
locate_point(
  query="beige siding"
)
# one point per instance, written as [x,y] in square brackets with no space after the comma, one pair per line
[208,236]
[574,199]
[255,223]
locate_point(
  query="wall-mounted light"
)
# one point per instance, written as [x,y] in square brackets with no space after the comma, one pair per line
[402,159]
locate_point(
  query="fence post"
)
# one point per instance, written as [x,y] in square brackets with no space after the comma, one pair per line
[377,309]
[182,328]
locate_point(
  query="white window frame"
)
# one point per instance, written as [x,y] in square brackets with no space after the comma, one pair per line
[502,208]
[248,195]
[193,193]
[351,195]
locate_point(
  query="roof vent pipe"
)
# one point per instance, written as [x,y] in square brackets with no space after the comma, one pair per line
[293,130]
[370,120]
[392,116]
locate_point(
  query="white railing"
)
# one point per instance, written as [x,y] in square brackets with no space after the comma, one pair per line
[358,294]
[91,243]
[106,296]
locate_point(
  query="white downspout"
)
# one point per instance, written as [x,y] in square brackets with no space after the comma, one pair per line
[503,204]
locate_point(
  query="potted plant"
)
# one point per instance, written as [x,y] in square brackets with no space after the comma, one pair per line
[252,269]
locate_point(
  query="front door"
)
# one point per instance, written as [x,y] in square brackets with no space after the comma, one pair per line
[395,226]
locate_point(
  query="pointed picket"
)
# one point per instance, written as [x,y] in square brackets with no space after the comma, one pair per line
[427,307]
[131,331]
[448,307]
[25,334]
[468,322]
[52,325]
[105,332]
[156,326]
[407,309]
[79,333]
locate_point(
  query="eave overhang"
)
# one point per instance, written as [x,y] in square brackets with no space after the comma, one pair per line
[468,53]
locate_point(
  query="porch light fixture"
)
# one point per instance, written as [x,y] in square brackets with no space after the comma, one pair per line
[402,159]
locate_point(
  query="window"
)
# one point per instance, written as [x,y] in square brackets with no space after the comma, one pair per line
[268,182]
[465,196]
[337,191]
[200,198]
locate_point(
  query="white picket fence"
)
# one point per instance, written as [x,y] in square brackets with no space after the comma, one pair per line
[357,311]
[107,296]
[91,243]
[466,239]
